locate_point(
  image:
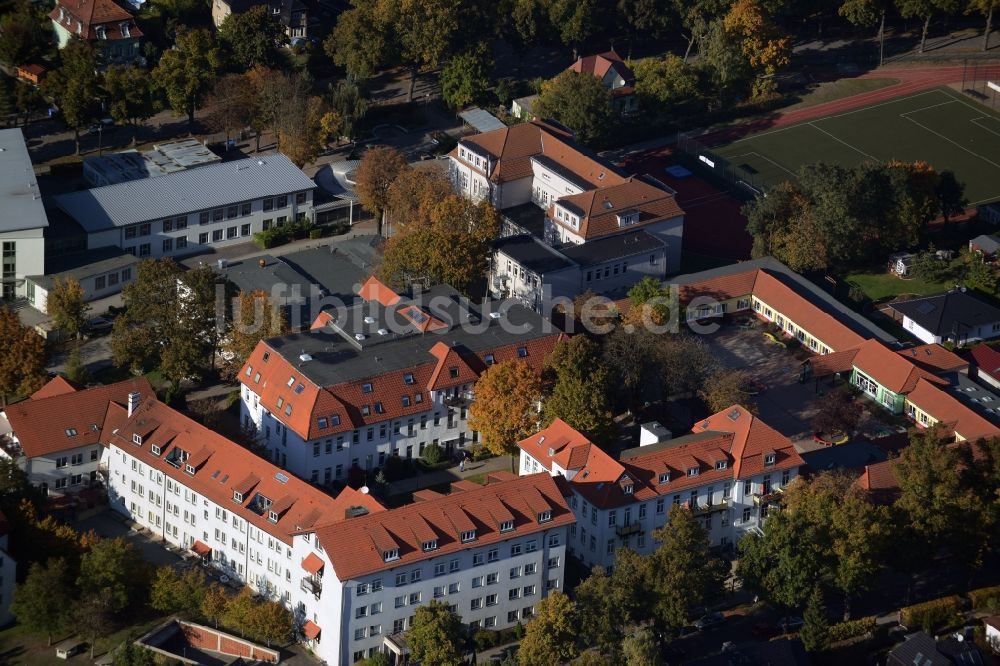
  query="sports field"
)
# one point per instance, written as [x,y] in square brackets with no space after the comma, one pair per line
[940,126]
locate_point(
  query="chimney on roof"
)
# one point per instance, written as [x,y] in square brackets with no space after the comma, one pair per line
[133,402]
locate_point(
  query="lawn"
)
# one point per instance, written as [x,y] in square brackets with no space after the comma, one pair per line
[940,126]
[18,646]
[830,91]
[882,286]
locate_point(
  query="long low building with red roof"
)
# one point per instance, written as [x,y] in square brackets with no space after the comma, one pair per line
[728,471]
[352,572]
[386,377]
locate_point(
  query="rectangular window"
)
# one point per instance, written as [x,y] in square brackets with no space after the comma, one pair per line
[244,209]
[144,250]
[217,235]
[168,245]
[203,239]
[245,230]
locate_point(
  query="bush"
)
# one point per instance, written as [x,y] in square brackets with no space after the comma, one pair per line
[316,232]
[852,629]
[272,237]
[432,454]
[484,639]
[986,598]
[930,615]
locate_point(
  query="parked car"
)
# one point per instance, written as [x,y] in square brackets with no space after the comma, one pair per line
[99,326]
[709,621]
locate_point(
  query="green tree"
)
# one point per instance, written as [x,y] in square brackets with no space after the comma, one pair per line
[725,389]
[21,35]
[360,42]
[376,172]
[950,194]
[579,101]
[73,86]
[239,612]
[688,575]
[436,636]
[130,96]
[22,357]
[27,100]
[255,318]
[695,18]
[764,44]
[550,638]
[350,106]
[425,32]
[640,648]
[186,72]
[171,592]
[986,8]
[578,388]
[466,77]
[644,19]
[982,276]
[574,20]
[598,610]
[588,658]
[271,623]
[377,659]
[924,10]
[76,371]
[42,603]
[252,37]
[815,633]
[66,304]
[214,603]
[506,407]
[130,654]
[867,13]
[115,571]
[665,84]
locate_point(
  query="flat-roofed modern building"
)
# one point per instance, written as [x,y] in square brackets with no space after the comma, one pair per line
[193,210]
[22,217]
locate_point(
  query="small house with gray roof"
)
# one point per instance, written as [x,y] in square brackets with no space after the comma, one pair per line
[959,315]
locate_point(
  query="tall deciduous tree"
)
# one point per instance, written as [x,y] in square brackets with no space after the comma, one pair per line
[986,8]
[230,104]
[577,388]
[21,35]
[505,410]
[640,648]
[608,604]
[22,357]
[238,615]
[579,101]
[725,389]
[27,100]
[762,42]
[466,77]
[67,306]
[186,72]
[213,604]
[436,636]
[130,96]
[551,636]
[271,623]
[375,173]
[361,41]
[255,318]
[924,10]
[73,85]
[43,602]
[664,84]
[644,18]
[350,106]
[574,20]
[252,37]
[115,571]
[695,18]
[867,13]
[413,194]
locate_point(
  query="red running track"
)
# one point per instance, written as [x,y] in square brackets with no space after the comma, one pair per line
[911,80]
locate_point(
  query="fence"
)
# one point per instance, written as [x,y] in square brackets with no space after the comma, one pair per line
[981,81]
[733,178]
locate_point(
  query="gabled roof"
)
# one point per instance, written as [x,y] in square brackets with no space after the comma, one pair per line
[934,358]
[987,359]
[223,466]
[918,649]
[92,13]
[65,421]
[372,537]
[600,64]
[58,385]
[893,371]
[950,412]
[600,208]
[752,440]
[952,313]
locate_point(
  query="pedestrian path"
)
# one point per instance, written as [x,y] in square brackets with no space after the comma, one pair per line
[454,473]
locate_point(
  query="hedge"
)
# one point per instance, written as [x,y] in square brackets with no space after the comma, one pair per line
[852,628]
[930,615]
[985,598]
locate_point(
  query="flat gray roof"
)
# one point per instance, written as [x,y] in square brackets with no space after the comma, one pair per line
[20,202]
[188,191]
[480,120]
[80,265]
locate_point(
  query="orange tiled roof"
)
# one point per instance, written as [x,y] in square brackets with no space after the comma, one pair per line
[934,358]
[891,370]
[599,64]
[721,288]
[752,439]
[445,517]
[987,359]
[950,412]
[601,207]
[58,385]
[374,290]
[223,466]
[43,425]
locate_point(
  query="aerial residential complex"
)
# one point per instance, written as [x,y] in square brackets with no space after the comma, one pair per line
[385,377]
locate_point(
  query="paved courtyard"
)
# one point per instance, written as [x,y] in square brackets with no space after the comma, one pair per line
[110,525]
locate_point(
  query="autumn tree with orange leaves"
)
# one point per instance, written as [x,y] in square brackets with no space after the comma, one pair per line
[505,410]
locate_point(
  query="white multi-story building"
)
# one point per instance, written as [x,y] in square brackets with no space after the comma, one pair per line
[384,378]
[56,435]
[351,572]
[23,222]
[193,210]
[727,472]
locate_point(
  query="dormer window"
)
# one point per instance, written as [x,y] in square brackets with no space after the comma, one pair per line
[321,422]
[769,458]
[365,410]
[280,402]
[101,32]
[366,387]
[629,489]
[189,469]
[237,496]
[71,432]
[335,420]
[507,526]
[137,438]
[249,370]
[721,464]
[692,471]
[272,516]
[291,380]
[522,352]
[379,409]
[266,356]
[544,516]
[125,30]
[288,409]
[628,218]
[418,398]
[408,378]
[155,449]
[430,545]
[453,371]
[490,359]
[665,477]
[468,535]
[406,401]
[390,555]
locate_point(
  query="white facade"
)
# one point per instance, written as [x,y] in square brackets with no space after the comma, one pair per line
[22,253]
[103,283]
[66,471]
[330,458]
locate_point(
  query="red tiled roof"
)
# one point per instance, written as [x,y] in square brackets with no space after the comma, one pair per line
[602,206]
[599,64]
[879,476]
[721,288]
[987,359]
[827,364]
[934,358]
[58,385]
[950,412]
[311,630]
[43,425]
[313,563]
[93,13]
[222,465]
[891,370]
[374,290]
[752,439]
[805,314]
[373,535]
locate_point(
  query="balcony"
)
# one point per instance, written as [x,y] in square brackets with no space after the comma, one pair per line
[463,399]
[764,499]
[705,509]
[629,529]
[312,586]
